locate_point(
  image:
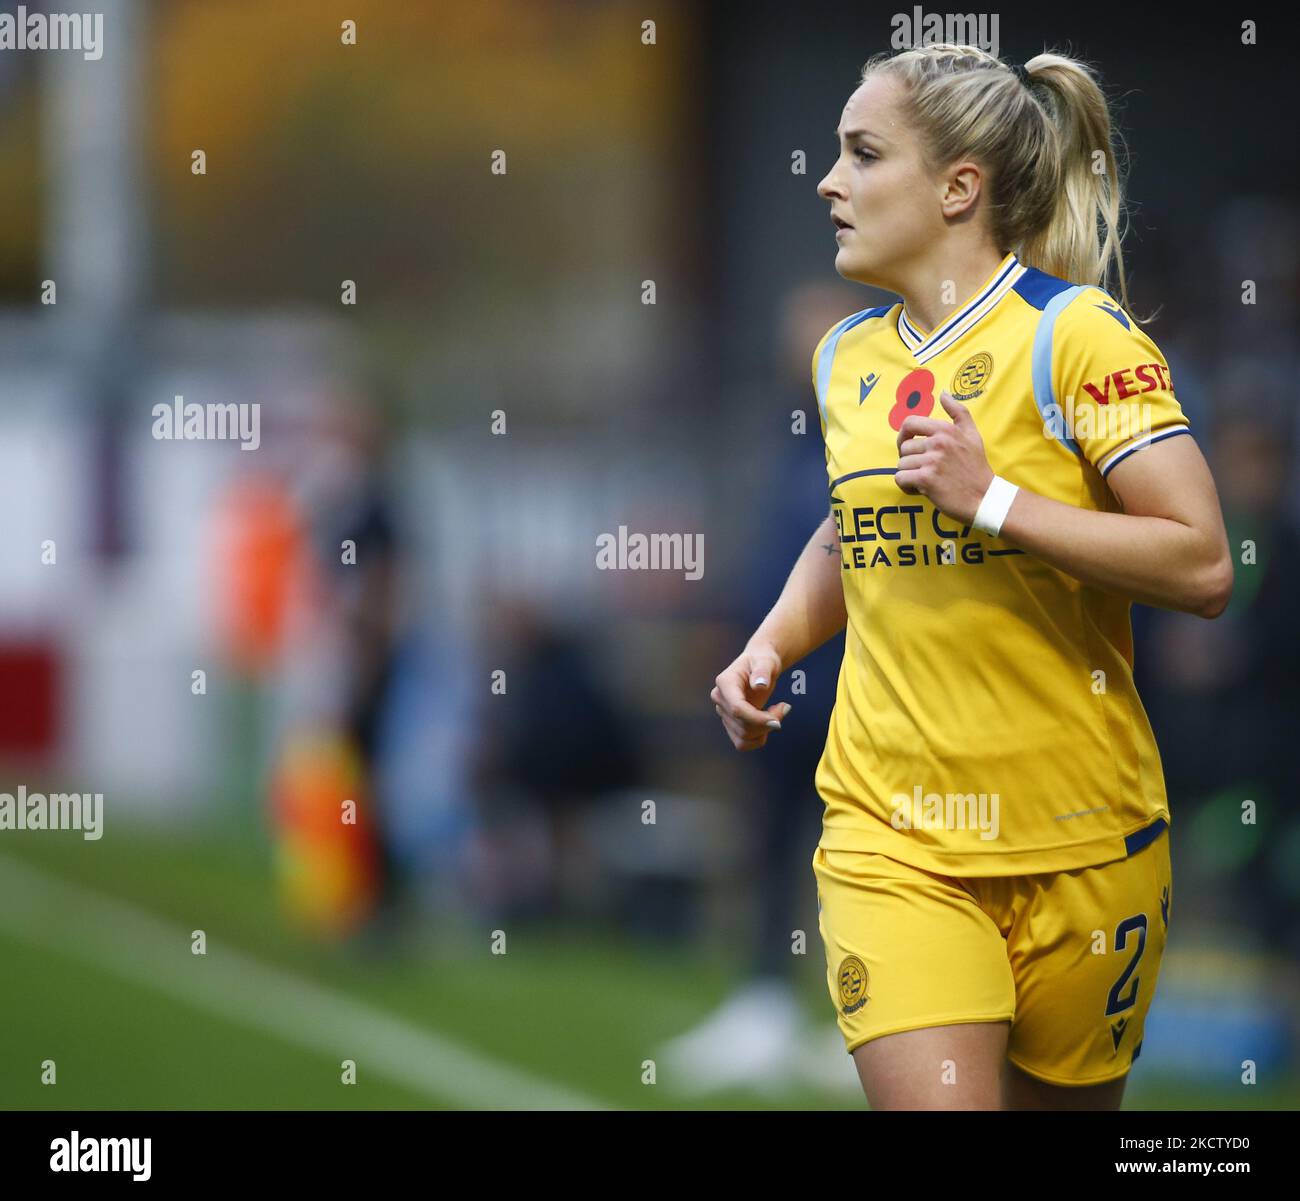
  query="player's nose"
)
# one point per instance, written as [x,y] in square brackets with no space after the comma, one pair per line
[828,189]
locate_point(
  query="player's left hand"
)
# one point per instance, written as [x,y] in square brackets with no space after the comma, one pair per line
[944,461]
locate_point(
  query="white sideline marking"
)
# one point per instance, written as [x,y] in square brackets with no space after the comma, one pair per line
[40,908]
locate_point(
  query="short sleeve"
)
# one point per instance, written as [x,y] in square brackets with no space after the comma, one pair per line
[1111,382]
[820,368]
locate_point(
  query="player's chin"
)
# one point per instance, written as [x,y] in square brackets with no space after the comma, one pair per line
[854,266]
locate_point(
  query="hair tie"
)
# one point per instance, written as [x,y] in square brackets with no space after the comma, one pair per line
[1019,71]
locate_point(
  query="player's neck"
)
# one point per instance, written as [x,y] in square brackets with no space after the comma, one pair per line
[939,288]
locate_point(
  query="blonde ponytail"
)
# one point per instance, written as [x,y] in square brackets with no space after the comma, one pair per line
[1055,193]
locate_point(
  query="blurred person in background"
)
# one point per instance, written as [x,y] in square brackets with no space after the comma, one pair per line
[1223,695]
[554,742]
[333,837]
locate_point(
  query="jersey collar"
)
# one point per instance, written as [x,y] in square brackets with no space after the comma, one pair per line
[926,346]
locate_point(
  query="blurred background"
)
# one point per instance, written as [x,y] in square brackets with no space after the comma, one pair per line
[501,278]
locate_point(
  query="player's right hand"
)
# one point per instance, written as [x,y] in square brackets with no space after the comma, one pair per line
[740,691]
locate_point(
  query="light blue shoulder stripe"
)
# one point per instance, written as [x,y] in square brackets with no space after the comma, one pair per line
[826,359]
[1041,367]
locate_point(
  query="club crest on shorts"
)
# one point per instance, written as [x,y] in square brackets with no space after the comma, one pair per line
[853,984]
[972,377]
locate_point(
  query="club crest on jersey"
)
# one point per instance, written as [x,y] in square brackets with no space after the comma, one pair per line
[972,377]
[853,984]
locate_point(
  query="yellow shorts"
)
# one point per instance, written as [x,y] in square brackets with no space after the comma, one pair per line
[1070,959]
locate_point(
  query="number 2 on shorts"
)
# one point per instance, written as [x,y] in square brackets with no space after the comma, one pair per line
[1116,1003]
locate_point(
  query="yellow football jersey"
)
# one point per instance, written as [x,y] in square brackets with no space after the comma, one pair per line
[986,721]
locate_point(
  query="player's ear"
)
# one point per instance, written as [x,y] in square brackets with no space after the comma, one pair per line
[961,184]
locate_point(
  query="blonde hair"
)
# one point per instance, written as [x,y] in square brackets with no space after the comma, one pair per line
[1055,195]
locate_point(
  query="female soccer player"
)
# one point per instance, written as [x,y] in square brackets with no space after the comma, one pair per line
[1007,472]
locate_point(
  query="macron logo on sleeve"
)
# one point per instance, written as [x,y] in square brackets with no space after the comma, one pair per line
[1115,311]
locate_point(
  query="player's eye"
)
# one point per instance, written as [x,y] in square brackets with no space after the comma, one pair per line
[864,155]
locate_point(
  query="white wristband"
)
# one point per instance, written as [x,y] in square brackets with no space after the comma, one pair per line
[993,508]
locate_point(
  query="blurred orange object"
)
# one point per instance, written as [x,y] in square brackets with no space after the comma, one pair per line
[261,558]
[326,853]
